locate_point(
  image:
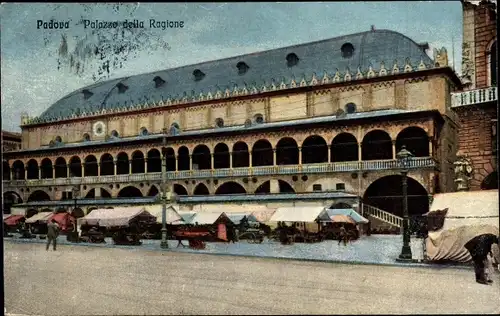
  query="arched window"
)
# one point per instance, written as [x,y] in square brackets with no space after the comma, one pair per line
[492,64]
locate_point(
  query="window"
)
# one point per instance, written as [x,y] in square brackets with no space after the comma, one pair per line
[292,60]
[198,75]
[115,134]
[492,64]
[317,187]
[86,137]
[350,108]
[219,122]
[144,131]
[175,125]
[58,139]
[347,50]
[121,87]
[340,186]
[87,94]
[158,81]
[258,118]
[242,68]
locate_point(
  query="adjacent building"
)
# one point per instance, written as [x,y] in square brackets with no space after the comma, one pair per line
[319,122]
[11,141]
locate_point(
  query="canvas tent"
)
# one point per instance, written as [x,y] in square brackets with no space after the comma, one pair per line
[187,216]
[39,217]
[469,214]
[307,214]
[173,217]
[208,218]
[328,215]
[18,211]
[236,218]
[119,216]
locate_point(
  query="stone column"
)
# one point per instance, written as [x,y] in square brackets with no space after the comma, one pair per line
[130,166]
[25,173]
[145,165]
[430,146]
[83,170]
[53,172]
[360,151]
[98,170]
[190,162]
[300,155]
[176,163]
[329,153]
[393,149]
[275,162]
[250,158]
[115,166]
[12,174]
[68,168]
[212,161]
[40,172]
[231,160]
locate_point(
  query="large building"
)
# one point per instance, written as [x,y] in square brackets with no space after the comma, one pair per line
[476,106]
[11,141]
[319,122]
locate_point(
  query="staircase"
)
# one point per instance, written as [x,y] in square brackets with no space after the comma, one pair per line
[382,216]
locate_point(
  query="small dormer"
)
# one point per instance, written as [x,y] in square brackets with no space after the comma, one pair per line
[158,81]
[87,94]
[121,87]
[115,134]
[292,60]
[242,67]
[198,75]
[347,50]
[258,118]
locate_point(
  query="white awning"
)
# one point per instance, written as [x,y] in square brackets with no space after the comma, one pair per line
[297,214]
[42,217]
[207,218]
[18,211]
[173,217]
[119,216]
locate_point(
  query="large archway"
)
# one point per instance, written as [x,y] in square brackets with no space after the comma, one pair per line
[180,189]
[287,152]
[153,191]
[183,158]
[230,188]
[10,198]
[91,166]
[265,187]
[241,157]
[201,189]
[38,195]
[5,171]
[138,162]
[377,145]
[386,194]
[170,159]
[415,139]
[202,159]
[154,160]
[122,163]
[490,182]
[32,171]
[75,167]
[221,156]
[285,187]
[129,192]
[262,153]
[18,170]
[107,165]
[314,150]
[344,148]
[46,169]
[61,168]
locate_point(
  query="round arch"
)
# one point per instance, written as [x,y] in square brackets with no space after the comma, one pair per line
[262,153]
[285,187]
[377,145]
[201,157]
[10,198]
[61,168]
[221,156]
[5,171]
[122,163]
[184,159]
[38,195]
[46,169]
[91,166]
[32,171]
[490,182]
[287,152]
[153,191]
[105,194]
[179,189]
[230,188]
[154,160]
[107,165]
[386,193]
[344,148]
[169,153]
[130,191]
[90,194]
[18,170]
[75,167]
[138,165]
[241,157]
[415,139]
[314,150]
[201,189]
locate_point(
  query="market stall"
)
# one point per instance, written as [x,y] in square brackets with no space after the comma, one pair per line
[298,217]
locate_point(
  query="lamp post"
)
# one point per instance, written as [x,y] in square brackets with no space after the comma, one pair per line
[75,197]
[404,157]
[164,193]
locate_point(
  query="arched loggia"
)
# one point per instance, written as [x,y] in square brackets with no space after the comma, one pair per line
[18,170]
[377,145]
[415,139]
[46,169]
[183,158]
[344,148]
[241,157]
[201,189]
[122,163]
[130,191]
[170,159]
[202,159]
[230,188]
[314,150]
[10,198]
[38,195]
[154,160]
[32,171]
[180,189]
[107,165]
[262,153]
[61,168]
[91,166]
[221,156]
[75,167]
[138,162]
[287,152]
[5,171]
[153,191]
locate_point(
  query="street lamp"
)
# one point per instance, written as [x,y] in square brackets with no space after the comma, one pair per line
[75,197]
[404,157]
[164,193]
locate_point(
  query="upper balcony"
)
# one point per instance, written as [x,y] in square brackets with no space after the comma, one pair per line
[476,96]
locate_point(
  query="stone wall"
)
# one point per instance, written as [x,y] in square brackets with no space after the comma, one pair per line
[484,32]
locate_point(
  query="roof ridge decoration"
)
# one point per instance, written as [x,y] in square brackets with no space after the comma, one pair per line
[314,80]
[347,76]
[359,74]
[370,74]
[337,77]
[408,67]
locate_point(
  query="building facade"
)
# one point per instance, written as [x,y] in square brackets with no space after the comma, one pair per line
[476,105]
[319,118]
[11,141]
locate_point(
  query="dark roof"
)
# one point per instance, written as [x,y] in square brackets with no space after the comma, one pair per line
[317,58]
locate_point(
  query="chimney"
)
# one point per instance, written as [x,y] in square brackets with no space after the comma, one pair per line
[373,28]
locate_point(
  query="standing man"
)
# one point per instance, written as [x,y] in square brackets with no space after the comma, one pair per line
[52,233]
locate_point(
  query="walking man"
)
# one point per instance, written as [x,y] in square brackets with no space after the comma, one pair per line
[52,233]
[479,248]
[343,235]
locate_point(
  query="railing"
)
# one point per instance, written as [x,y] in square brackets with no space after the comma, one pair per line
[382,215]
[474,97]
[349,166]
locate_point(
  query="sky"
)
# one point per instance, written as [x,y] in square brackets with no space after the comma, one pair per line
[31,82]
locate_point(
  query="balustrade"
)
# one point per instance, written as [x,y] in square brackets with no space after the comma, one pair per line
[476,96]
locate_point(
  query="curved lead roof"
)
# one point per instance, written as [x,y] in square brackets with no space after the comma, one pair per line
[371,49]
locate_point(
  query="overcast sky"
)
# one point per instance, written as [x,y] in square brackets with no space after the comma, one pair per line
[30,81]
